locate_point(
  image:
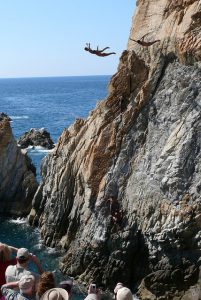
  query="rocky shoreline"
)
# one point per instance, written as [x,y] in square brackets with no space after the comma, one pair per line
[140,147]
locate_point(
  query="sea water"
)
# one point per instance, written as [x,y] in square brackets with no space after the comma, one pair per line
[53,103]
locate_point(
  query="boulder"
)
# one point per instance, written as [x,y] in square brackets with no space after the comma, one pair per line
[35,137]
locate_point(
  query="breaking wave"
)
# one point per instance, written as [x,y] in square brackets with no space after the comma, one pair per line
[19,117]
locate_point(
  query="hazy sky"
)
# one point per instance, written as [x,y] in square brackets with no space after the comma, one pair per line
[47,37]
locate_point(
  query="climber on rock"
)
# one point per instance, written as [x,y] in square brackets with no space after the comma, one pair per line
[97,51]
[143,43]
[115,211]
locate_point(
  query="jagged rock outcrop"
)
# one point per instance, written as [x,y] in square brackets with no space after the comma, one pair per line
[142,147]
[4,116]
[35,137]
[17,182]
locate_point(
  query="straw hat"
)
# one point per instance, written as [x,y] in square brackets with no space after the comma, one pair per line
[55,294]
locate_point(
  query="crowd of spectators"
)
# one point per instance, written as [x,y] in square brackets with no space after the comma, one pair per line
[19,282]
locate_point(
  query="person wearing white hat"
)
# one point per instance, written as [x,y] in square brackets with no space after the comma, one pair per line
[55,294]
[14,273]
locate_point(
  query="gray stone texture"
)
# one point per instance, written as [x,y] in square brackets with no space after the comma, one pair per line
[17,181]
[140,149]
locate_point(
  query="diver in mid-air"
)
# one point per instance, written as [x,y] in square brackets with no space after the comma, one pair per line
[97,51]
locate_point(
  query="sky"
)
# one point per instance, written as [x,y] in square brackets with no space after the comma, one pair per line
[47,37]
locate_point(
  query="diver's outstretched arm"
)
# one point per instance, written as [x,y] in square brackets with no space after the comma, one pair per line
[88,46]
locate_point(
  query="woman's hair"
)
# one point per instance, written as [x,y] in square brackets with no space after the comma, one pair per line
[5,252]
[46,282]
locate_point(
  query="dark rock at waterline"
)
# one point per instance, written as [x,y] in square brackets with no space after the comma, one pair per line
[35,137]
[4,116]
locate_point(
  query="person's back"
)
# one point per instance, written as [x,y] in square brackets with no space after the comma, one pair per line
[14,273]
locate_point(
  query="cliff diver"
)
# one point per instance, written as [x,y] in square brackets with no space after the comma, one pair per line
[143,43]
[115,211]
[97,51]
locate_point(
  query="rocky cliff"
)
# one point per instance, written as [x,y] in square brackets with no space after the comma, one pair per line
[121,192]
[17,181]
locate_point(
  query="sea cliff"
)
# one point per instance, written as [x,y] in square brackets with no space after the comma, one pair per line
[140,147]
[17,180]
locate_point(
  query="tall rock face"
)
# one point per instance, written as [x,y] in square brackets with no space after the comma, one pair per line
[17,182]
[121,191]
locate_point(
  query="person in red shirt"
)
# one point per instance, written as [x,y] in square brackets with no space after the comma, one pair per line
[5,261]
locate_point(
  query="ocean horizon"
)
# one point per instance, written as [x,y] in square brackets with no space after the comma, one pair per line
[52,103]
[56,76]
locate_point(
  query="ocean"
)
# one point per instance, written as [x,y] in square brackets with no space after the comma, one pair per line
[52,103]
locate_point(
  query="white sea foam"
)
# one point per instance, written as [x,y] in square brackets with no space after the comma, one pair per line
[52,250]
[19,117]
[39,246]
[18,221]
[34,149]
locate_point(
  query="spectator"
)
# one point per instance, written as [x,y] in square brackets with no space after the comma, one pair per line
[124,293]
[92,294]
[26,286]
[67,285]
[46,282]
[117,287]
[14,273]
[5,261]
[55,294]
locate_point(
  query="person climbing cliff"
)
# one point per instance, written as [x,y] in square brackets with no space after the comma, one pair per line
[97,51]
[142,41]
[115,211]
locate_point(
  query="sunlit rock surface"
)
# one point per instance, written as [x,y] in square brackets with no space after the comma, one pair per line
[141,146]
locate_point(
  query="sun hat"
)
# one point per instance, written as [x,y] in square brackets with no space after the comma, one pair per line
[124,294]
[23,253]
[26,283]
[55,294]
